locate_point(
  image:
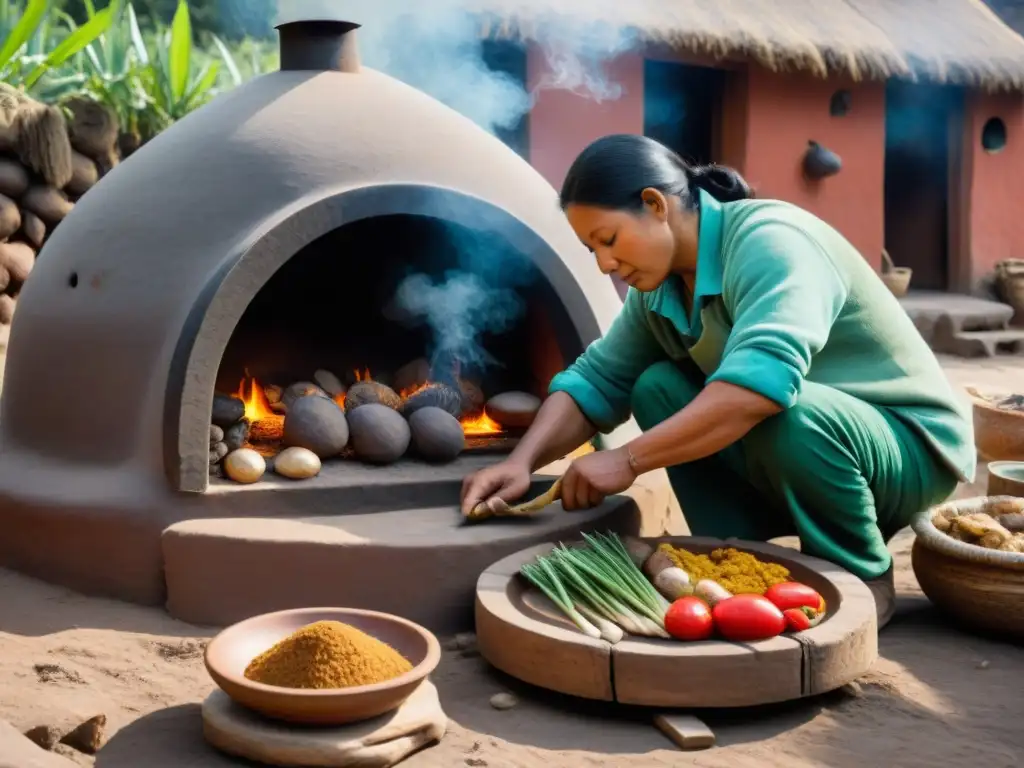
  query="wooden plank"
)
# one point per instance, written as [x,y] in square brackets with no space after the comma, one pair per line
[686,731]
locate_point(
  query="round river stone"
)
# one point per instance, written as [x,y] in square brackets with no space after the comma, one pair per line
[227,410]
[317,424]
[301,389]
[513,409]
[436,434]
[434,396]
[379,434]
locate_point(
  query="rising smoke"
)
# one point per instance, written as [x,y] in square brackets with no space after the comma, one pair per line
[437,46]
[458,311]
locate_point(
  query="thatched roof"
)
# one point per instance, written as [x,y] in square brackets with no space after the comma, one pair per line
[954,41]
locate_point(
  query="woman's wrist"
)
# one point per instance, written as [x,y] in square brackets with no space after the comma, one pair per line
[635,456]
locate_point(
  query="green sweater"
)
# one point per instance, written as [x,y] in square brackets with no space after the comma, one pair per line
[780,297]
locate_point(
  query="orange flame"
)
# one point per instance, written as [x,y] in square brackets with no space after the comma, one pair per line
[265,424]
[481,425]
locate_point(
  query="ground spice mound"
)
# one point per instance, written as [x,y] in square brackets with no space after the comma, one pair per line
[739,572]
[327,654]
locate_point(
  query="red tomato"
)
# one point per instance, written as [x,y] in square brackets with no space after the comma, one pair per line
[689,618]
[743,618]
[791,594]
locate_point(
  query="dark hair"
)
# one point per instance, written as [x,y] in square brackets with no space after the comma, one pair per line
[614,170]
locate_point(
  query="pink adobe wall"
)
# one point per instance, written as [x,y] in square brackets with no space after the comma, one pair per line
[993,184]
[767,120]
[562,123]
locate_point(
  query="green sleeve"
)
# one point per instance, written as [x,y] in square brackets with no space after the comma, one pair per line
[602,378]
[783,294]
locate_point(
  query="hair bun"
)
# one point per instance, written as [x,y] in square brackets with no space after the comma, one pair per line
[721,182]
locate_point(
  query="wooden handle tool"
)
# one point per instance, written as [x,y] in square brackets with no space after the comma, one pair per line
[495,507]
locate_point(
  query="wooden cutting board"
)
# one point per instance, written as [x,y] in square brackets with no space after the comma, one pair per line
[378,743]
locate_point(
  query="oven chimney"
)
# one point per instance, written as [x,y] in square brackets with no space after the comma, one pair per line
[315,35]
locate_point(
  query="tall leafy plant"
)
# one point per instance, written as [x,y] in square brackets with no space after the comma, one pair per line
[27,56]
[176,83]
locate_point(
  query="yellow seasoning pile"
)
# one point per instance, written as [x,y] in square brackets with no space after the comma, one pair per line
[739,572]
[327,654]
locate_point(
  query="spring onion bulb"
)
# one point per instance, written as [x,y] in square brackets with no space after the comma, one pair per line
[609,630]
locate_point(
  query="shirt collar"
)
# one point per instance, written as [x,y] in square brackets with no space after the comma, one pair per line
[667,298]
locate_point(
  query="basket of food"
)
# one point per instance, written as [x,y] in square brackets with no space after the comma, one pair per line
[675,622]
[969,560]
[998,425]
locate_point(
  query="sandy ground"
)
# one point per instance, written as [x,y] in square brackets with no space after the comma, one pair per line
[936,697]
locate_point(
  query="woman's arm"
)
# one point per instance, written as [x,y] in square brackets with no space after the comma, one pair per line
[559,429]
[719,416]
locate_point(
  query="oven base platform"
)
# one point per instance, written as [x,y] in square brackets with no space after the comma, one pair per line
[422,564]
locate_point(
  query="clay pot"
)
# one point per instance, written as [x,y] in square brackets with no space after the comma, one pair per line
[434,396]
[317,424]
[371,393]
[301,389]
[226,411]
[297,463]
[379,434]
[244,466]
[329,383]
[513,409]
[819,162]
[436,434]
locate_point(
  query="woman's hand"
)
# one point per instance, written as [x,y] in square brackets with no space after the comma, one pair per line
[508,480]
[592,477]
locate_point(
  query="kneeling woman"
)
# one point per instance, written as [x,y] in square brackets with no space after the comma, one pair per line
[771,371]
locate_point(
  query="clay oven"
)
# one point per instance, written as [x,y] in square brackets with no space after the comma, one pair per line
[260,239]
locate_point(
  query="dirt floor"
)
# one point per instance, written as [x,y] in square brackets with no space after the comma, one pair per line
[936,697]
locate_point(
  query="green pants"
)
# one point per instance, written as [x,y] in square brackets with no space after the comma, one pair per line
[841,474]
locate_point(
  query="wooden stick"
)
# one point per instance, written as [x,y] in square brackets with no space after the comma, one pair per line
[486,509]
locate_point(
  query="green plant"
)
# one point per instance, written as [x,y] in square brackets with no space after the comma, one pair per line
[29,51]
[174,82]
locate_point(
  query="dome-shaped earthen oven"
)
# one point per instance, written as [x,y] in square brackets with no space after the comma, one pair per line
[127,327]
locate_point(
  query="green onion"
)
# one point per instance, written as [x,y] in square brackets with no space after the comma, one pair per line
[600,588]
[547,582]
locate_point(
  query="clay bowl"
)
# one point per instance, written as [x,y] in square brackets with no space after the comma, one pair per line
[981,588]
[998,432]
[1006,478]
[230,652]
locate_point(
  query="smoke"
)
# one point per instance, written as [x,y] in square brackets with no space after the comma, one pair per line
[458,311]
[438,48]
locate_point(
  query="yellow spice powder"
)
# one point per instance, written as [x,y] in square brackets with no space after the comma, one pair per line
[739,572]
[327,654]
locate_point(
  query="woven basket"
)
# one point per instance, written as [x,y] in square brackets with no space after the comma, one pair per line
[896,279]
[998,432]
[981,588]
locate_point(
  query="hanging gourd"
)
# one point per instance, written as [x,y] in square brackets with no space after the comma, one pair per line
[819,162]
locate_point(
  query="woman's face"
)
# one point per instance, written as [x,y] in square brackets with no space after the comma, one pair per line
[639,247]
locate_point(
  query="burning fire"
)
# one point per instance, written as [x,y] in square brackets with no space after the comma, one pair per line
[480,425]
[265,424]
[268,425]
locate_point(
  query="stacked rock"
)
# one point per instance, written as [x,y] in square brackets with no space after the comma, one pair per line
[46,164]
